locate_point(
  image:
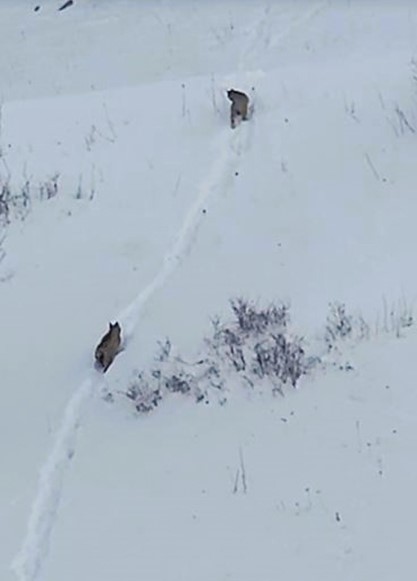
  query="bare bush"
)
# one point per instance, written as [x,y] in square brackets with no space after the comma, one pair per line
[252,320]
[339,325]
[145,396]
[13,203]
[49,188]
[5,201]
[17,200]
[396,317]
[254,345]
[342,327]
[280,358]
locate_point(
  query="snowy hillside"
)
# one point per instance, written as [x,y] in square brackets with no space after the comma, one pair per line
[126,196]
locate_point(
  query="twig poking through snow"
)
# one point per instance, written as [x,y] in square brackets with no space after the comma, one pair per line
[236,484]
[404,122]
[371,165]
[110,125]
[66,4]
[243,472]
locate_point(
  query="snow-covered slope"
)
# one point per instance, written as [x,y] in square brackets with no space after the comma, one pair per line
[158,215]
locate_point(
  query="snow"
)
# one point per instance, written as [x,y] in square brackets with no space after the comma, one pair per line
[162,215]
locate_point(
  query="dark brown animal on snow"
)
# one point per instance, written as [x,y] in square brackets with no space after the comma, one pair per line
[109,346]
[239,108]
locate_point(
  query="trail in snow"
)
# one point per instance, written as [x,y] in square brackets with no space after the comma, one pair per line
[27,564]
[219,176]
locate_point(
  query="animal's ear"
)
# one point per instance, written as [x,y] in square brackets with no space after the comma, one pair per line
[110,326]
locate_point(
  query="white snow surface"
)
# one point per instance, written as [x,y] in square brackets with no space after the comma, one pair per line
[162,214]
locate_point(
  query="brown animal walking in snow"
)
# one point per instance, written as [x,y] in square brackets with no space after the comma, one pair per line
[108,347]
[239,108]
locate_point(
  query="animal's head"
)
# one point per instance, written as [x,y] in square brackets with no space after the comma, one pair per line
[115,328]
[230,94]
